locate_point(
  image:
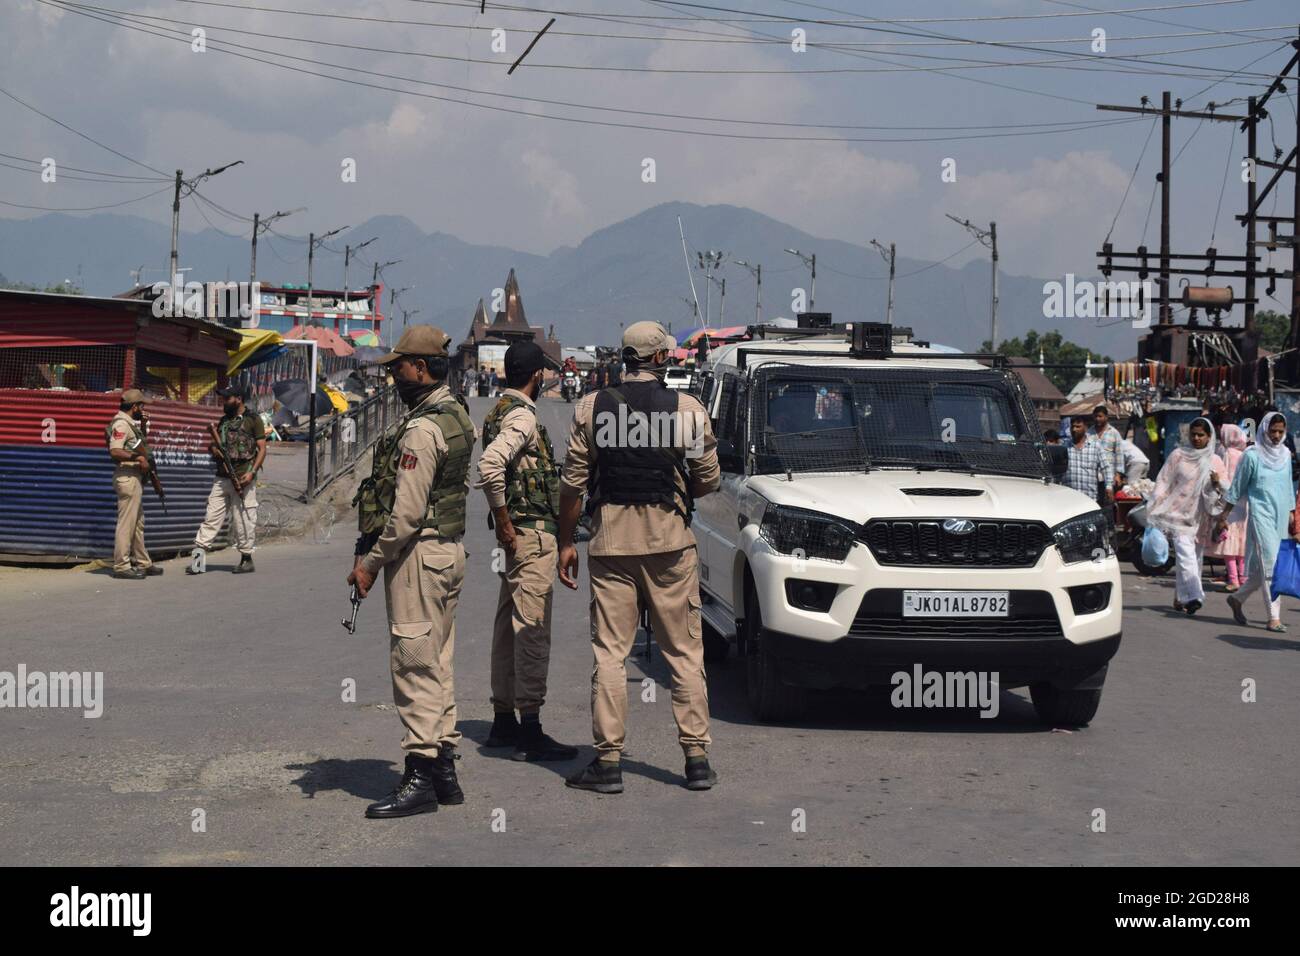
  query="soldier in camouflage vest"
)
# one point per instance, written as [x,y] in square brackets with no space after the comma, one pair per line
[243,445]
[518,475]
[412,517]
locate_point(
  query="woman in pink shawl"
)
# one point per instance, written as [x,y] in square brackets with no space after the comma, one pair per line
[1187,498]
[1231,547]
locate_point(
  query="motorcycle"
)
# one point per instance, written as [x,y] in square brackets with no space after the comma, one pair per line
[569,386]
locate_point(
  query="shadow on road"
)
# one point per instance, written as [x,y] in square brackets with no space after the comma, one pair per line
[368,779]
[1250,642]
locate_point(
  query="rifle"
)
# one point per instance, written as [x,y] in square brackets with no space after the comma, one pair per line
[224,462]
[364,543]
[153,475]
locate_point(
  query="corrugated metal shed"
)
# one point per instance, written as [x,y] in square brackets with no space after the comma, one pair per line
[56,479]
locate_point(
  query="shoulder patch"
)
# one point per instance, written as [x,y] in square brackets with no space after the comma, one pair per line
[408,461]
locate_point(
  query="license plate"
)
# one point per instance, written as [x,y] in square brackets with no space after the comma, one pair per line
[954,604]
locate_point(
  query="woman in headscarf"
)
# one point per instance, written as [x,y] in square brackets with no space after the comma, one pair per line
[1263,479]
[1229,538]
[1187,497]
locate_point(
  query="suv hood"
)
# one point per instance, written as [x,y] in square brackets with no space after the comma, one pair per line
[880,494]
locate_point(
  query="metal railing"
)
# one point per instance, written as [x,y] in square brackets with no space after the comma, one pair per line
[342,439]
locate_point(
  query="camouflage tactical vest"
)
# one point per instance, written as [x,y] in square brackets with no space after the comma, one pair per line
[446,508]
[532,494]
[239,444]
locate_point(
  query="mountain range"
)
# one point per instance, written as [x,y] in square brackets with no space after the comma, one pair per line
[623,273]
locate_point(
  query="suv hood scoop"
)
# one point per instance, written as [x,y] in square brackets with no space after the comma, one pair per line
[942,492]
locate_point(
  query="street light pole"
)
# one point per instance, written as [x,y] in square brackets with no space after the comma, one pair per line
[757,272]
[312,242]
[347,256]
[188,184]
[888,257]
[989,239]
[264,225]
[811,262]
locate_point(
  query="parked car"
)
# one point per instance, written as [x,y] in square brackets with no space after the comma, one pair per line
[886,505]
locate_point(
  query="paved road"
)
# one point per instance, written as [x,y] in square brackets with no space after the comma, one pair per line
[223,694]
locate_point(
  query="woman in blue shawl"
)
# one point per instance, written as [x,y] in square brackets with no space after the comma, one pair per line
[1264,479]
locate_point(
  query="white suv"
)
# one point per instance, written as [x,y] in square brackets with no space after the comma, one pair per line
[885,505]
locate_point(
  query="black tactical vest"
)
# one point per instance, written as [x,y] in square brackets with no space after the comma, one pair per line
[639,449]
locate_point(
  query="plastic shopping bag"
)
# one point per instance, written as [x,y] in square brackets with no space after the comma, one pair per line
[1286,573]
[1155,547]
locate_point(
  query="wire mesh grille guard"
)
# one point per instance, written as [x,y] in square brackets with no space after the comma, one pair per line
[812,418]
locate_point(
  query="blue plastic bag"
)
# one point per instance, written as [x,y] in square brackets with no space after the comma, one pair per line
[1286,573]
[1155,547]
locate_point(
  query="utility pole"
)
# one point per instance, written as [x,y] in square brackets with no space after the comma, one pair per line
[757,272]
[709,261]
[187,184]
[312,242]
[811,262]
[989,239]
[347,255]
[889,257]
[260,226]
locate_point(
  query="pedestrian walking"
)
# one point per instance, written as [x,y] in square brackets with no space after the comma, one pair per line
[1188,497]
[1263,480]
[1229,543]
[1089,466]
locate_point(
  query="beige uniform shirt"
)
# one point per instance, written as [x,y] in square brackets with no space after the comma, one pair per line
[421,449]
[122,429]
[638,529]
[517,444]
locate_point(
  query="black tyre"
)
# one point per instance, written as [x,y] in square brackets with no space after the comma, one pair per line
[1147,570]
[715,645]
[770,698]
[1064,707]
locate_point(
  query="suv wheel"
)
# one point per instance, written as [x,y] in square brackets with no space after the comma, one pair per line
[715,645]
[1066,707]
[770,698]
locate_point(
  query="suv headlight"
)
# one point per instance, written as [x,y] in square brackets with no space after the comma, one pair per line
[816,535]
[1085,538]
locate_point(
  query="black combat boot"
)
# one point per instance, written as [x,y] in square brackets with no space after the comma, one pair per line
[699,775]
[599,776]
[504,732]
[245,565]
[535,746]
[415,794]
[444,776]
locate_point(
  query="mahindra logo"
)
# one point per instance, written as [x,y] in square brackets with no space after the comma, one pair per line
[959,525]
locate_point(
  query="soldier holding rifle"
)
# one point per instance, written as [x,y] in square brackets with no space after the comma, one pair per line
[128,446]
[238,448]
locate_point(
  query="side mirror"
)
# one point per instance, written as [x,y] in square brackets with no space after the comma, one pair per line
[729,459]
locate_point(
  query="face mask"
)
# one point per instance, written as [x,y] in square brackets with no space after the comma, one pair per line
[413,393]
[137,413]
[232,408]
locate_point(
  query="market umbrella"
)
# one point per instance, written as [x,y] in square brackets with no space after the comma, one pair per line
[293,395]
[364,337]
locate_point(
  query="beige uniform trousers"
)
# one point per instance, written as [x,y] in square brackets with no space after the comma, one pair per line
[422,588]
[128,542]
[521,633]
[668,584]
[224,500]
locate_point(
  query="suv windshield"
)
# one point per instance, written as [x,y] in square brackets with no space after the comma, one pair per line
[813,418]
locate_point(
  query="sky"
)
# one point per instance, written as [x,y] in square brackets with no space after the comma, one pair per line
[849,138]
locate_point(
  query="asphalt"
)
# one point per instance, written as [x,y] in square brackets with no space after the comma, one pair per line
[224,694]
